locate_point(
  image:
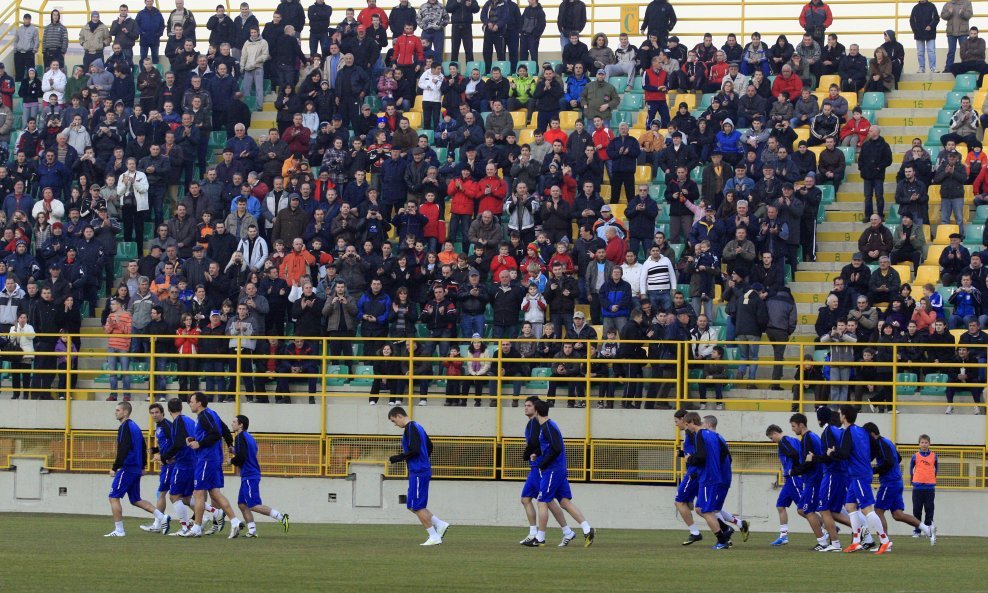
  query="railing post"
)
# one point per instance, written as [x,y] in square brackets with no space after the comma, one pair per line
[895,373]
[322,400]
[151,374]
[498,390]
[588,384]
[238,376]
[411,374]
[802,378]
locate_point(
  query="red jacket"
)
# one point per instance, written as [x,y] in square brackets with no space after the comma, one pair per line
[565,260]
[551,136]
[857,127]
[615,250]
[496,265]
[462,199]
[793,86]
[435,228]
[654,84]
[602,138]
[365,16]
[297,142]
[495,200]
[828,18]
[718,71]
[981,183]
[408,50]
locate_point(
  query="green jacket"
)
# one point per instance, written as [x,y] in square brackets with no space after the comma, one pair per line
[523,89]
[595,95]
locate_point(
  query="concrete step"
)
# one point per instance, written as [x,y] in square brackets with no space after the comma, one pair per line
[832,226]
[826,277]
[802,286]
[932,100]
[940,77]
[909,122]
[819,266]
[908,111]
[926,85]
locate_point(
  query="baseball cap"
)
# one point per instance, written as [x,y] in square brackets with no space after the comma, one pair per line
[215,312]
[758,287]
[579,315]
[605,208]
[475,337]
[857,256]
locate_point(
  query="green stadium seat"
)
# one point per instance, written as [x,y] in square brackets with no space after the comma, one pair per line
[657,192]
[632,102]
[868,114]
[624,117]
[504,65]
[126,250]
[539,372]
[901,390]
[103,377]
[973,232]
[660,176]
[954,100]
[965,83]
[683,288]
[365,376]
[943,117]
[848,154]
[530,64]
[697,174]
[820,355]
[619,82]
[935,388]
[442,154]
[720,316]
[705,101]
[140,367]
[829,195]
[892,216]
[981,214]
[251,102]
[636,84]
[470,66]
[873,101]
[431,135]
[336,369]
[933,137]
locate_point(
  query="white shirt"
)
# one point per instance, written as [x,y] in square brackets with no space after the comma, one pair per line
[633,275]
[431,85]
[53,82]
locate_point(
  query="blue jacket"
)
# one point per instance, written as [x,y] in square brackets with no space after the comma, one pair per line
[615,293]
[393,188]
[623,163]
[221,90]
[574,87]
[55,176]
[729,143]
[150,25]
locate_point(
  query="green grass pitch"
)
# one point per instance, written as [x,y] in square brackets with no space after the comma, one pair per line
[53,553]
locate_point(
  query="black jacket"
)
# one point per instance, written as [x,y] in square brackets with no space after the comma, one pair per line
[874,157]
[752,315]
[659,19]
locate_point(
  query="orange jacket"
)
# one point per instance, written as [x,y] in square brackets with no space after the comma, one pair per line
[118,324]
[295,265]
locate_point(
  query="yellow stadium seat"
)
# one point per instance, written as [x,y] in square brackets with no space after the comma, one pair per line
[934,192]
[567,119]
[943,233]
[525,136]
[518,118]
[637,132]
[605,192]
[933,256]
[642,121]
[417,106]
[827,80]
[927,275]
[817,150]
[905,272]
[414,119]
[802,134]
[820,96]
[618,211]
[852,101]
[688,98]
[957,333]
[643,174]
[978,98]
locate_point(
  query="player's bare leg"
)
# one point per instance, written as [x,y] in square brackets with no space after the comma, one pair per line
[116,509]
[575,512]
[814,520]
[182,505]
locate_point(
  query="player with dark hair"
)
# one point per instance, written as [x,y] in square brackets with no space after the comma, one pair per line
[245,460]
[181,459]
[533,455]
[728,521]
[128,466]
[416,449]
[855,451]
[809,469]
[833,478]
[888,469]
[709,459]
[788,458]
[554,489]
[207,441]
[162,441]
[690,484]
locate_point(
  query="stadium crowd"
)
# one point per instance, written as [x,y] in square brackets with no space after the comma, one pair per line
[400,194]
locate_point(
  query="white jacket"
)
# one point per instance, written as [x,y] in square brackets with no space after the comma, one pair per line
[431,85]
[136,182]
[254,54]
[23,335]
[78,138]
[53,82]
[633,276]
[657,275]
[257,256]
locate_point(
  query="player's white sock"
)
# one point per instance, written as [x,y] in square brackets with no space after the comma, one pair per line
[159,517]
[875,524]
[823,541]
[118,526]
[251,527]
[532,529]
[210,509]
[585,526]
[784,529]
[438,523]
[181,511]
[925,529]
[234,522]
[276,514]
[567,532]
[540,535]
[855,528]
[432,533]
[196,528]
[729,518]
[694,530]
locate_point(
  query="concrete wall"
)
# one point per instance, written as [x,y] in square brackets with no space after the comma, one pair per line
[607,506]
[354,416]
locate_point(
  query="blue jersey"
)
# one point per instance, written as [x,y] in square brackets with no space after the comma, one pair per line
[209,433]
[788,454]
[417,446]
[831,438]
[811,443]
[163,436]
[711,456]
[858,452]
[183,427]
[889,462]
[553,449]
[726,461]
[532,441]
[689,448]
[245,456]
[131,452]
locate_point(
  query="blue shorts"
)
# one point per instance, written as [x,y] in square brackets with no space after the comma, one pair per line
[182,483]
[809,500]
[208,474]
[250,492]
[710,499]
[831,493]
[859,493]
[890,498]
[553,485]
[165,478]
[688,487]
[418,491]
[531,487]
[126,481]
[790,493]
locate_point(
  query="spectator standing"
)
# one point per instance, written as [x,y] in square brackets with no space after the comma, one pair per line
[957,14]
[55,41]
[752,320]
[923,21]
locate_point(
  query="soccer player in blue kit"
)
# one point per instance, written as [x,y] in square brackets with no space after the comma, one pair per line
[162,440]
[809,469]
[855,450]
[833,478]
[728,521]
[416,449]
[245,460]
[554,485]
[530,491]
[690,484]
[207,441]
[788,457]
[710,459]
[890,488]
[127,470]
[181,458]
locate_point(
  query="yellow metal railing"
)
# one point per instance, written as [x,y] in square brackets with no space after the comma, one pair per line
[862,21]
[416,373]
